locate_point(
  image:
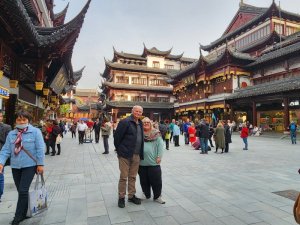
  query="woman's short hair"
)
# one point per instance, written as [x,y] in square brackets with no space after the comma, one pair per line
[23,114]
[147,119]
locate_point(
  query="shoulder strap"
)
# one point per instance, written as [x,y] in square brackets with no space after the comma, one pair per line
[29,154]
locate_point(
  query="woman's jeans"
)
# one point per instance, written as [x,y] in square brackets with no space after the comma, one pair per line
[246,143]
[23,178]
[105,142]
[1,183]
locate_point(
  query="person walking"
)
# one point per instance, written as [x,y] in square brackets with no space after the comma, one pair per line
[129,144]
[162,129]
[54,138]
[96,128]
[106,130]
[185,131]
[244,135]
[227,133]
[171,127]
[149,169]
[203,136]
[25,146]
[4,130]
[82,127]
[176,133]
[211,134]
[73,129]
[220,137]
[192,133]
[293,132]
[167,138]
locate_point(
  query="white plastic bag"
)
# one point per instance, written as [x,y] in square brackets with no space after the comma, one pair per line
[37,198]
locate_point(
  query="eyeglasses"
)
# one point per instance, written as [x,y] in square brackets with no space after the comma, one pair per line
[146,122]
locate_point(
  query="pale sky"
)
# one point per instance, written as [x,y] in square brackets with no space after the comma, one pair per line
[127,24]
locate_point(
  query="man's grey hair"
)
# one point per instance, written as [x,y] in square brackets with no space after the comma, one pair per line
[137,106]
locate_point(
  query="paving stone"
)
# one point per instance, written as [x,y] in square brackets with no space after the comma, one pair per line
[165,220]
[215,189]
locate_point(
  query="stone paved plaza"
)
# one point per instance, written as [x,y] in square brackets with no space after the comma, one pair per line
[214,189]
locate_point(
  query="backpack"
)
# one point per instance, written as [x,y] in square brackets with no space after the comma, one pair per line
[293,127]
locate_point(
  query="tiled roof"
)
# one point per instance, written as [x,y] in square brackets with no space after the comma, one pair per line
[272,10]
[155,51]
[282,85]
[276,54]
[213,59]
[145,105]
[59,18]
[138,87]
[133,67]
[77,75]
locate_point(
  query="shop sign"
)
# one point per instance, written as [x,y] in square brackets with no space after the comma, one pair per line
[220,80]
[4,93]
[189,79]
[60,80]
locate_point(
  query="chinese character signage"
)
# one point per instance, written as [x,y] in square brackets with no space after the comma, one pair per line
[189,80]
[60,80]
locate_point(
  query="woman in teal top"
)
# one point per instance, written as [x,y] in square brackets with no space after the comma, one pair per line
[149,170]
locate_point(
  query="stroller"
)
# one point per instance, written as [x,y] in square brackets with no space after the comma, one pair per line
[88,136]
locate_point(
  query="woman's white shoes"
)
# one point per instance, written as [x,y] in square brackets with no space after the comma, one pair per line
[160,200]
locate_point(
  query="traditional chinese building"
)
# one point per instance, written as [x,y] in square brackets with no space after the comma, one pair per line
[133,79]
[35,55]
[236,61]
[86,104]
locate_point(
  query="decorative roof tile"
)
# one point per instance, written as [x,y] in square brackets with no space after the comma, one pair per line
[282,85]
[139,87]
[145,105]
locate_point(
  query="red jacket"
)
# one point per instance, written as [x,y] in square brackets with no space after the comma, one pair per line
[244,132]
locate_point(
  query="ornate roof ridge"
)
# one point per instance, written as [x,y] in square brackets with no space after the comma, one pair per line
[59,18]
[240,29]
[128,55]
[155,51]
[53,35]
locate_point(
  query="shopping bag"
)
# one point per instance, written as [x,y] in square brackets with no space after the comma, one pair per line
[37,198]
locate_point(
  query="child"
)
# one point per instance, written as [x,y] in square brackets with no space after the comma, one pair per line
[167,138]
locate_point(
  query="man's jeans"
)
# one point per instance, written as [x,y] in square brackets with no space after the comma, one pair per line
[245,140]
[186,138]
[1,183]
[293,137]
[204,144]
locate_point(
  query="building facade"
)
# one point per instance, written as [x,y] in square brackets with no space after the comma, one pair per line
[35,55]
[132,79]
[258,47]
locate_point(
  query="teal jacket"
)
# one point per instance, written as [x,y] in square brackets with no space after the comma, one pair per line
[32,141]
[152,149]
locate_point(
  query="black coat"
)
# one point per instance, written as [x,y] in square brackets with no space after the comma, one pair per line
[125,137]
[227,133]
[202,131]
[4,130]
[97,127]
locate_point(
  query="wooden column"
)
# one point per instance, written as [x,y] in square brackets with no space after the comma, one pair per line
[115,115]
[254,113]
[231,112]
[286,112]
[10,109]
[151,115]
